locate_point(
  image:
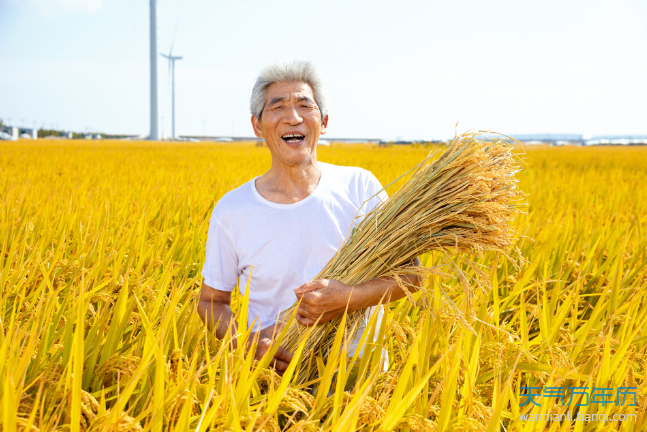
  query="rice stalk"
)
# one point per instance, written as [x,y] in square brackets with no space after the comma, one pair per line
[462,201]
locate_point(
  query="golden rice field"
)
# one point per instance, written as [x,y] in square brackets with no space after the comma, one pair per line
[101,247]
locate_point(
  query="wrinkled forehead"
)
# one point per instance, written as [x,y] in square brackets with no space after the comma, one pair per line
[288,91]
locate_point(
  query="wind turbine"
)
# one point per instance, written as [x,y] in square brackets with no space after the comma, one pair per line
[171,66]
[154,132]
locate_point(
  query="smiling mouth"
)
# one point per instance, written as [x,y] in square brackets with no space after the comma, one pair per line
[293,138]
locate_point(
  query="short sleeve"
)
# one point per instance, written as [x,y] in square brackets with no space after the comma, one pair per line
[375,195]
[221,263]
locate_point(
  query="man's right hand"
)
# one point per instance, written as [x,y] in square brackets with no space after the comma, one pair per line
[214,307]
[281,358]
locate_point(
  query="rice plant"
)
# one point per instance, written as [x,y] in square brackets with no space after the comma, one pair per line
[101,245]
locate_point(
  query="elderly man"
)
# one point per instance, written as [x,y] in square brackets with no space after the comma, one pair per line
[281,228]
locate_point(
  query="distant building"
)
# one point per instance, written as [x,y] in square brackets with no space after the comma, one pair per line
[548,137]
[29,133]
[534,139]
[355,140]
[617,140]
[534,142]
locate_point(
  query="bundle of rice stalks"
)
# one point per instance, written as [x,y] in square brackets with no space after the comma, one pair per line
[462,201]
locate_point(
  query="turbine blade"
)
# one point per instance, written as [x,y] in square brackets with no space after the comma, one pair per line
[173,40]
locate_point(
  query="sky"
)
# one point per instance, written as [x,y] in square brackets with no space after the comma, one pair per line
[394,69]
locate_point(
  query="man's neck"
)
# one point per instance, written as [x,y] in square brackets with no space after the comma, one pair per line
[287,183]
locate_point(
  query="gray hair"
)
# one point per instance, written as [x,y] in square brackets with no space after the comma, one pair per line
[289,71]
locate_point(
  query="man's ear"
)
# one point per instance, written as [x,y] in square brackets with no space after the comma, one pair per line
[324,125]
[257,127]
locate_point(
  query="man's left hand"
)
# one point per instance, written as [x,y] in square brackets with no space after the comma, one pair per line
[321,301]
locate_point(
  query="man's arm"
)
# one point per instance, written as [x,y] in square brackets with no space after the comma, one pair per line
[214,308]
[215,311]
[327,299]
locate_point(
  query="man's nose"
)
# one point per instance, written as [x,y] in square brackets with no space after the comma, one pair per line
[292,116]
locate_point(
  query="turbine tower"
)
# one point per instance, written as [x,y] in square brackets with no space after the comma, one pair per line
[154,132]
[171,66]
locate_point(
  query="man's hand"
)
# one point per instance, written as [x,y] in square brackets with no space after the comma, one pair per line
[213,307]
[323,299]
[281,358]
[327,299]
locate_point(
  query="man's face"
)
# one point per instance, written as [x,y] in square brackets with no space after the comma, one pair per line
[291,122]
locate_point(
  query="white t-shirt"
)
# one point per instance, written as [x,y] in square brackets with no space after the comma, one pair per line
[287,244]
